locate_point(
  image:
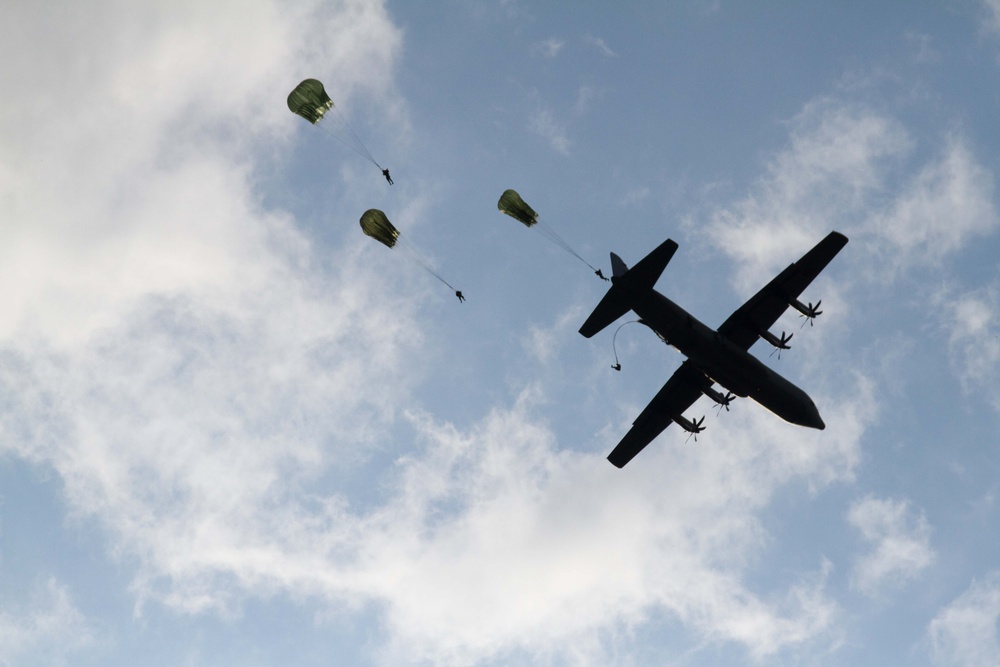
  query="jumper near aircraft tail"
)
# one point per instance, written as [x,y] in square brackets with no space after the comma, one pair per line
[639,278]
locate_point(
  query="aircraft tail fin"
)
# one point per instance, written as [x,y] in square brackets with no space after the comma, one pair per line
[640,277]
[618,267]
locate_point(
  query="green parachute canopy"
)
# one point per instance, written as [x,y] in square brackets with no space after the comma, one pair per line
[512,204]
[376,225]
[309,100]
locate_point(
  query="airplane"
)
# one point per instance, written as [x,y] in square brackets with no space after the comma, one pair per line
[713,357]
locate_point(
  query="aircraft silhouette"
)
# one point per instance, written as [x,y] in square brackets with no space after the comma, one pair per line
[720,356]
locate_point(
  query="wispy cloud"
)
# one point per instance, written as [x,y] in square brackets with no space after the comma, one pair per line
[600,45]
[47,631]
[900,544]
[823,180]
[964,633]
[544,124]
[972,322]
[842,166]
[948,203]
[549,48]
[991,15]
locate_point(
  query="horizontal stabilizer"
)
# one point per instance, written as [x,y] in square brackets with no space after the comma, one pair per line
[640,277]
[611,307]
[644,275]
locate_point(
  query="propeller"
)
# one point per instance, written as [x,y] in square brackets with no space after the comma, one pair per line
[811,311]
[781,344]
[694,428]
[724,403]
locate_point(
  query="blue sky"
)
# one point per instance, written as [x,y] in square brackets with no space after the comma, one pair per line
[236,431]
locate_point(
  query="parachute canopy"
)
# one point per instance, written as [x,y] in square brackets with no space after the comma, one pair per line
[309,100]
[376,225]
[512,204]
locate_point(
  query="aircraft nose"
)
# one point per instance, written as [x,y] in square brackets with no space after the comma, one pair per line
[815,421]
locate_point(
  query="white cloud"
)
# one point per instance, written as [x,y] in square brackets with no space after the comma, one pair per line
[199,378]
[498,542]
[549,48]
[964,633]
[545,125]
[599,44]
[900,544]
[837,170]
[173,349]
[949,202]
[46,631]
[833,166]
[991,15]
[972,321]
[124,188]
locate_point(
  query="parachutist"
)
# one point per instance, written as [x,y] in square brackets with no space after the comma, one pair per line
[385,172]
[458,293]
[600,275]
[617,367]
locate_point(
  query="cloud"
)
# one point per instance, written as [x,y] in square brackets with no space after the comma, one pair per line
[46,632]
[991,15]
[599,44]
[204,382]
[823,180]
[545,125]
[549,48]
[174,349]
[501,542]
[972,322]
[900,541]
[842,165]
[965,632]
[947,204]
[143,183]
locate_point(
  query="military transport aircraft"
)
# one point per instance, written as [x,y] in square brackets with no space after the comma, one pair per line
[721,356]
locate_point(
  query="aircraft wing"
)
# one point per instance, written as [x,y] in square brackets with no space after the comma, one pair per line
[765,307]
[677,395]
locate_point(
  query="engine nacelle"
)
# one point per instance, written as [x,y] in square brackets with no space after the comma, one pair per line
[779,343]
[693,427]
[807,310]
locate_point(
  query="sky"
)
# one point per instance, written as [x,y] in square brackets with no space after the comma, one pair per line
[236,431]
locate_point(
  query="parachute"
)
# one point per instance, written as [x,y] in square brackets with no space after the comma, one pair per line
[375,224]
[310,100]
[511,204]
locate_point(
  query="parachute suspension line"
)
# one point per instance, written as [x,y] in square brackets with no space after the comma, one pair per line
[354,134]
[559,241]
[614,338]
[337,128]
[424,264]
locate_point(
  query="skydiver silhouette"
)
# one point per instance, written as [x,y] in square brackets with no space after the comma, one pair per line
[617,367]
[461,298]
[385,172]
[600,275]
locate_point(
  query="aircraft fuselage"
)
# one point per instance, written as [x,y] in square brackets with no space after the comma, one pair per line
[722,361]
